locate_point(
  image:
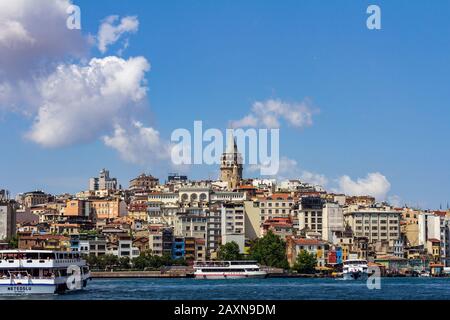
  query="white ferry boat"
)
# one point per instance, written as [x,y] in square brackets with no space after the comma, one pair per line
[355,269]
[228,270]
[41,272]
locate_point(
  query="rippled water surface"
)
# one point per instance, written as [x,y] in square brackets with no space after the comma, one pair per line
[272,288]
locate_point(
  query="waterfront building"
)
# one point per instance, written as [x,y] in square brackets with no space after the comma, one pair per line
[429,227]
[313,246]
[126,248]
[252,213]
[178,248]
[332,220]
[94,245]
[160,240]
[191,225]
[344,240]
[310,214]
[282,227]
[214,227]
[377,223]
[44,242]
[200,250]
[7,219]
[434,249]
[103,182]
[233,224]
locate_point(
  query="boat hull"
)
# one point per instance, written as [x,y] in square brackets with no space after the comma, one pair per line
[358,275]
[26,289]
[219,276]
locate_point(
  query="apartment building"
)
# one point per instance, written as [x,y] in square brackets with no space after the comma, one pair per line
[108,209]
[275,206]
[310,214]
[332,220]
[188,225]
[233,224]
[377,223]
[7,219]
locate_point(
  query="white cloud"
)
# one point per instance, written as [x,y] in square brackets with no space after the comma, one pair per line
[290,169]
[13,33]
[375,184]
[34,35]
[270,113]
[314,178]
[80,102]
[138,144]
[111,31]
[395,200]
[45,74]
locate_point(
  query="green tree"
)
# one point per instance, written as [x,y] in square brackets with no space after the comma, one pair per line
[229,252]
[269,250]
[108,261]
[13,242]
[124,263]
[305,262]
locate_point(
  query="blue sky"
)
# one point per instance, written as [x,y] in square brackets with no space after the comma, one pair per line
[382,94]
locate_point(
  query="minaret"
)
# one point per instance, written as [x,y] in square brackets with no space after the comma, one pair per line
[231,164]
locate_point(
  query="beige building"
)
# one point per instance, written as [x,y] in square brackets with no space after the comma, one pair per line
[278,205]
[35,198]
[190,226]
[108,208]
[375,223]
[77,208]
[252,220]
[143,183]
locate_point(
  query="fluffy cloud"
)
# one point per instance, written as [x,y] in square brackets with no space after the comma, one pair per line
[375,184]
[80,102]
[138,144]
[111,31]
[290,169]
[270,113]
[45,74]
[34,35]
[395,200]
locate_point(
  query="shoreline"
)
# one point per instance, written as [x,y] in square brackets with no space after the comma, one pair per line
[185,275]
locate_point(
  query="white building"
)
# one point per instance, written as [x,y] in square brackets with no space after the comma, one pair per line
[103,182]
[332,220]
[429,227]
[233,224]
[7,220]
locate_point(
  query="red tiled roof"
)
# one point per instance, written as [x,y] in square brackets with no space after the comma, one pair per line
[246,187]
[308,242]
[44,237]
